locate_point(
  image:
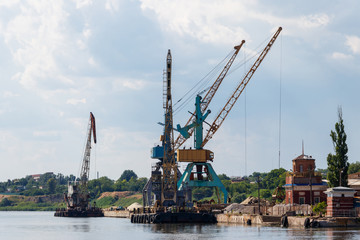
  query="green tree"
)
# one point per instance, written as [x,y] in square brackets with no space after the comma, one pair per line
[354,167]
[128,174]
[51,184]
[238,197]
[223,177]
[338,163]
[320,208]
[5,202]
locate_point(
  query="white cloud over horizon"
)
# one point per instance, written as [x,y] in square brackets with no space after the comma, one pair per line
[63,59]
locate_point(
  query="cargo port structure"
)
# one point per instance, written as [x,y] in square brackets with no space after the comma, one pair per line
[78,198]
[199,172]
[161,190]
[166,153]
[161,194]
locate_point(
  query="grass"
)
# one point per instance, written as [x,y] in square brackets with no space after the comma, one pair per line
[31,206]
[106,202]
[22,203]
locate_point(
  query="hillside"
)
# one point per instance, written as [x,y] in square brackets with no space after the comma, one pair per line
[51,202]
[124,199]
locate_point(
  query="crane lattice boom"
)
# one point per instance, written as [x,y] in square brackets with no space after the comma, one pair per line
[232,100]
[209,95]
[84,175]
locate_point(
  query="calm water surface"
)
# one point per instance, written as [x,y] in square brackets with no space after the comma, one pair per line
[42,225]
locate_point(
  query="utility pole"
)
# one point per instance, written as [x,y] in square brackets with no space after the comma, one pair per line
[310,184]
[341,171]
[258,180]
[292,191]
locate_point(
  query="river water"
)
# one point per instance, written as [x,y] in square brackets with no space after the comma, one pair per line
[43,225]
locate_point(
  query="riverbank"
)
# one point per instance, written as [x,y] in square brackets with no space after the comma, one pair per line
[249,219]
[116,213]
[292,221]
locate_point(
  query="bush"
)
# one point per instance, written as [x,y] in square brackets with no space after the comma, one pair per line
[238,198]
[320,208]
[5,203]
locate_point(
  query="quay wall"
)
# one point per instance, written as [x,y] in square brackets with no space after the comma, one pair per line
[243,219]
[117,213]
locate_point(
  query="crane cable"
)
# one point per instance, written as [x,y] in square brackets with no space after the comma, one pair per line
[280,98]
[245,152]
[200,85]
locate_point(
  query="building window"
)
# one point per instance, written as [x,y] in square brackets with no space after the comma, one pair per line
[301,200]
[317,200]
[301,168]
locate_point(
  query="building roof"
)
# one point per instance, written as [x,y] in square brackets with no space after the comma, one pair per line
[304,157]
[341,189]
[305,184]
[354,176]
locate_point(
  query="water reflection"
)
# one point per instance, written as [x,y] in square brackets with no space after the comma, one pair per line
[179,228]
[36,226]
[79,227]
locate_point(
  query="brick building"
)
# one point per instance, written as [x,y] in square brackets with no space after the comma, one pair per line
[303,184]
[340,202]
[354,182]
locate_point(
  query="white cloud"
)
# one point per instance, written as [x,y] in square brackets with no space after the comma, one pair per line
[34,36]
[8,3]
[45,134]
[218,22]
[9,94]
[74,101]
[82,3]
[133,84]
[87,33]
[112,5]
[354,43]
[92,62]
[46,47]
[314,21]
[340,56]
[206,22]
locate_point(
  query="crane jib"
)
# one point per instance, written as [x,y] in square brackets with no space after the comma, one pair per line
[93,127]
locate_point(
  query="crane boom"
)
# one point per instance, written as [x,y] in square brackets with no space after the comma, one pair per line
[208,97]
[84,175]
[232,100]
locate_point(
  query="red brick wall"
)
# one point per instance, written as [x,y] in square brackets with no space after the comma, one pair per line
[336,206]
[306,164]
[306,196]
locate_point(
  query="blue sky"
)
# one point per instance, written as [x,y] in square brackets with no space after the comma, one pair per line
[62,59]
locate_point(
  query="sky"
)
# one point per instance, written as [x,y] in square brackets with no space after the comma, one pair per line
[61,60]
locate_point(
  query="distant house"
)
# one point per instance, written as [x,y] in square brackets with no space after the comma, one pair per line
[303,184]
[236,179]
[354,182]
[36,177]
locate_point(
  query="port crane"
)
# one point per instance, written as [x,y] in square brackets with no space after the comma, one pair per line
[166,152]
[161,184]
[78,198]
[204,175]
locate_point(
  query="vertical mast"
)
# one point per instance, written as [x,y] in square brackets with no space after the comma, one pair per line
[169,179]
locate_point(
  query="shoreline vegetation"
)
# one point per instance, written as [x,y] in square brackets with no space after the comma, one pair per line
[45,192]
[52,202]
